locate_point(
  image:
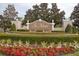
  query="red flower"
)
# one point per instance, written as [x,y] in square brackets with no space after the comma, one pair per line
[50,54]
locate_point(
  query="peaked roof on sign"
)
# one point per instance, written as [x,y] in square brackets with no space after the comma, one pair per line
[39,21]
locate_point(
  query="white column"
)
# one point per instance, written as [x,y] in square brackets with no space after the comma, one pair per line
[53,25]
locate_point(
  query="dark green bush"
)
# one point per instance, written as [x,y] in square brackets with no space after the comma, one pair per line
[74,29]
[13,27]
[23,30]
[68,29]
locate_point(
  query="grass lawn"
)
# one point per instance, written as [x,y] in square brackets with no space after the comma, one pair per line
[40,34]
[39,37]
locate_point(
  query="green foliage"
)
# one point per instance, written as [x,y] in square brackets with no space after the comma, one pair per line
[8,41]
[68,29]
[74,29]
[39,39]
[23,30]
[13,27]
[10,12]
[75,13]
[5,24]
[44,44]
[42,11]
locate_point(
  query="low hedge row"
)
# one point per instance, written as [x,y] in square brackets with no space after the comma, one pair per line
[22,30]
[39,39]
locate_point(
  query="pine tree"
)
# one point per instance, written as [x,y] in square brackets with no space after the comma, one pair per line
[8,15]
[42,11]
[4,23]
[10,12]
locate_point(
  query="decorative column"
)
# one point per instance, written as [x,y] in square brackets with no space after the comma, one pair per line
[53,25]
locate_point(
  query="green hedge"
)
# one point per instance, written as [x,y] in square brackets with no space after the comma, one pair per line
[39,39]
[22,30]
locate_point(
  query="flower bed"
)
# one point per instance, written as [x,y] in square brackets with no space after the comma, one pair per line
[23,51]
[18,48]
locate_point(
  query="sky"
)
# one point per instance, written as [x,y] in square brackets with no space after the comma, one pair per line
[23,7]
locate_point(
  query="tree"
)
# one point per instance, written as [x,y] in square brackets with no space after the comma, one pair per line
[75,16]
[75,13]
[76,26]
[1,17]
[8,15]
[74,29]
[28,16]
[42,11]
[56,14]
[10,12]
[76,23]
[5,23]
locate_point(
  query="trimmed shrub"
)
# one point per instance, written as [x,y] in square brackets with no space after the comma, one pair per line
[68,29]
[13,27]
[23,30]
